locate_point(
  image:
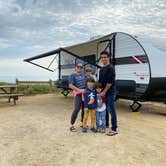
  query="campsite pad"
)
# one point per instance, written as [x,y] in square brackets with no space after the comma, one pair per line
[36,133]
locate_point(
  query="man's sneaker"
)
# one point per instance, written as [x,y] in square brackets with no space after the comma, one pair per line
[84,130]
[93,130]
[112,133]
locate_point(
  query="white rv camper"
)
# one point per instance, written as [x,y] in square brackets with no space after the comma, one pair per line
[140,67]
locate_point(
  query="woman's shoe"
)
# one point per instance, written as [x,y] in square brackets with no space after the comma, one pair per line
[73,129]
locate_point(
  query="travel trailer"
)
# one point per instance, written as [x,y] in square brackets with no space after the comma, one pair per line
[139,66]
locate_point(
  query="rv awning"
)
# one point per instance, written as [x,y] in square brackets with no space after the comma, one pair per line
[91,47]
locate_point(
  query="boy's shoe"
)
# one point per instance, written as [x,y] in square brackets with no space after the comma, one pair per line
[93,130]
[84,130]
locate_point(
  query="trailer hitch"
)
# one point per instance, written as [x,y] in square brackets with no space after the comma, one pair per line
[135,106]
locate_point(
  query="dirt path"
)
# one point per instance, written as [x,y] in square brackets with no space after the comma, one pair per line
[35,133]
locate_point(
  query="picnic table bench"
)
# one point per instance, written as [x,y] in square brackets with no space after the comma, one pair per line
[10,91]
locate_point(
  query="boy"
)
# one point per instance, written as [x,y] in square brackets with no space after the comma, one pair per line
[101,110]
[90,105]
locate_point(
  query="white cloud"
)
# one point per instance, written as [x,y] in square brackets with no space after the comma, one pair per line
[34,21]
[31,27]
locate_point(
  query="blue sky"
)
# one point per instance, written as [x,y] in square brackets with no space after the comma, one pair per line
[31,27]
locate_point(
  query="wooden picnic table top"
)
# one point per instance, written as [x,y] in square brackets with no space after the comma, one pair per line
[11,94]
[8,86]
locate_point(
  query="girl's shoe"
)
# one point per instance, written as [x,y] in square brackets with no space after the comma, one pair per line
[103,131]
[98,130]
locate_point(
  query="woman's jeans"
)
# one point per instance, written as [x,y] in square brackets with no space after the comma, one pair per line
[77,105]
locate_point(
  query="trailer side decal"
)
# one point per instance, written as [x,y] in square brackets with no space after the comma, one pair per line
[138,59]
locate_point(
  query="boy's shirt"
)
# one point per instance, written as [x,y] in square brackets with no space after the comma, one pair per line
[101,106]
[90,99]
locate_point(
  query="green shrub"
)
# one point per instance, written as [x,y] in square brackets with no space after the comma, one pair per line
[4,83]
[37,89]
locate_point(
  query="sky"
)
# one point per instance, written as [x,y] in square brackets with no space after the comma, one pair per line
[32,27]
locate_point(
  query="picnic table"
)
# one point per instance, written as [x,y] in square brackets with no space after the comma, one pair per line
[10,91]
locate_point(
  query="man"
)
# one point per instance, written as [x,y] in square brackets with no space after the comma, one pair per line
[77,84]
[107,79]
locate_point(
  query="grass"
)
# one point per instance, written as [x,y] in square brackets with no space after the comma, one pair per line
[4,83]
[35,89]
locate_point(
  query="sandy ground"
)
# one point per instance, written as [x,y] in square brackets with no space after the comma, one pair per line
[35,132]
